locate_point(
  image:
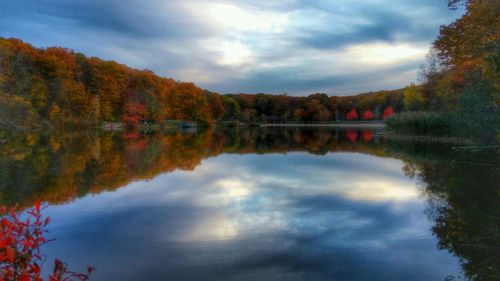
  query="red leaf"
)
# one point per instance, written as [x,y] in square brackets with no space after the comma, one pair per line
[11,254]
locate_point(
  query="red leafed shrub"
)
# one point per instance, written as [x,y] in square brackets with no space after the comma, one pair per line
[388,111]
[20,241]
[352,136]
[353,114]
[368,115]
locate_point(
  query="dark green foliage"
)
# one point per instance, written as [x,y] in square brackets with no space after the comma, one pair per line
[475,117]
[477,114]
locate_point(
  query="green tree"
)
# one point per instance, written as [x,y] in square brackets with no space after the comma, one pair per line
[231,108]
[412,98]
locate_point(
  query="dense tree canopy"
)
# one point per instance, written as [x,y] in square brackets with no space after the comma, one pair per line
[71,89]
[463,76]
[317,107]
[60,87]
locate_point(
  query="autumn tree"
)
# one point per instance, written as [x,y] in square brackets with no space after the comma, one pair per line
[68,88]
[215,104]
[316,111]
[368,115]
[352,115]
[388,112]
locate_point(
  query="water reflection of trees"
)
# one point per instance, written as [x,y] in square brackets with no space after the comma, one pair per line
[62,166]
[463,188]
[461,185]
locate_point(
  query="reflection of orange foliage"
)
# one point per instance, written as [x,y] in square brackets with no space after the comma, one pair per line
[137,145]
[352,135]
[75,169]
[131,121]
[367,135]
[131,135]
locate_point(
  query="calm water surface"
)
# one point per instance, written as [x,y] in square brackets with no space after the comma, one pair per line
[274,204]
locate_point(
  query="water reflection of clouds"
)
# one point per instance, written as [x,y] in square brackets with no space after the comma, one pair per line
[271,217]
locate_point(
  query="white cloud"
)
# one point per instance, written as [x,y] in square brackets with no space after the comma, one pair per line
[379,54]
[242,20]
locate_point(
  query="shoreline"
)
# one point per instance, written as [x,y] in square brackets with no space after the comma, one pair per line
[330,125]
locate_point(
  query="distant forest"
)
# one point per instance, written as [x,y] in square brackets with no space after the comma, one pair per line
[64,87]
[59,87]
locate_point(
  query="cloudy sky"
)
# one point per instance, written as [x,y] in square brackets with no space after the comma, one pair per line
[293,46]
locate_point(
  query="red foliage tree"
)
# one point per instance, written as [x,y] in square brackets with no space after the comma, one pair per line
[134,112]
[388,111]
[20,242]
[353,114]
[368,115]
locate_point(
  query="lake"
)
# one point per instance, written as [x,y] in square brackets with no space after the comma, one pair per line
[260,204]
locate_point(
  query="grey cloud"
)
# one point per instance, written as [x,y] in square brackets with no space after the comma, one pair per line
[135,19]
[385,24]
[294,81]
[162,36]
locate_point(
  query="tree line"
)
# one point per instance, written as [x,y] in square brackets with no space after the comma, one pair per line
[65,88]
[317,107]
[60,87]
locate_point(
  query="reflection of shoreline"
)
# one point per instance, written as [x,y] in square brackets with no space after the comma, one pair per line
[374,125]
[57,168]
